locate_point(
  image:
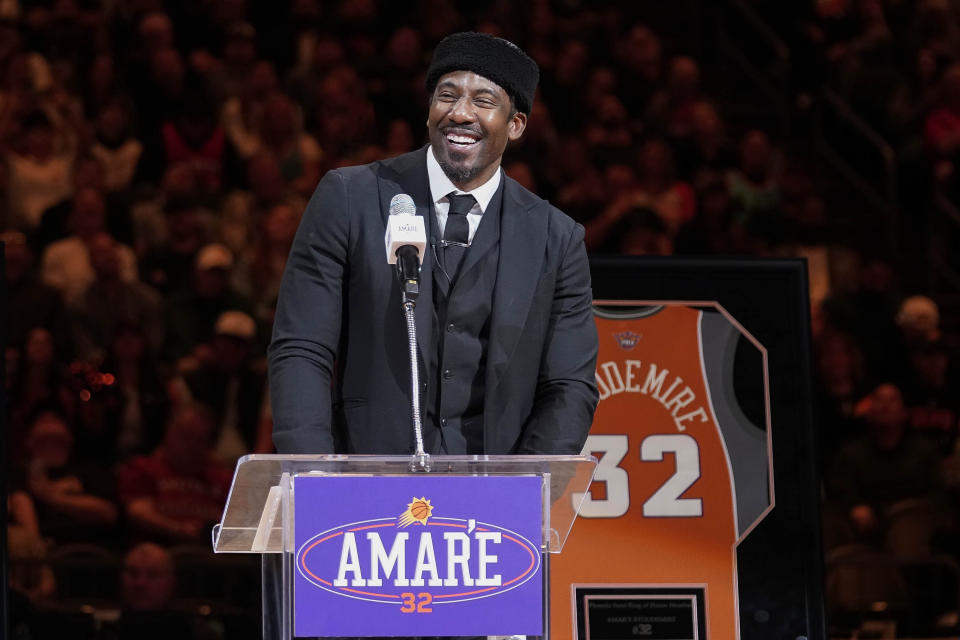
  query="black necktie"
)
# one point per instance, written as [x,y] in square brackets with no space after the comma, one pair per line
[456,233]
[457,229]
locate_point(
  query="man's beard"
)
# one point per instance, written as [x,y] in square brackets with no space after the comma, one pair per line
[459,174]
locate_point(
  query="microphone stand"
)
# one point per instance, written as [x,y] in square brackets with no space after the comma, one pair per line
[408,272]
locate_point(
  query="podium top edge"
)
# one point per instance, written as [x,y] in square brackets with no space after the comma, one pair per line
[393,459]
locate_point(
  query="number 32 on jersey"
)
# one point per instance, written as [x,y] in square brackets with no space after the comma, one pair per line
[663,502]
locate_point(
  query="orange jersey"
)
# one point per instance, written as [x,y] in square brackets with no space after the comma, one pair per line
[683,475]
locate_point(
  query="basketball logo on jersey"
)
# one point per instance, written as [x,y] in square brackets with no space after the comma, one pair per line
[627,340]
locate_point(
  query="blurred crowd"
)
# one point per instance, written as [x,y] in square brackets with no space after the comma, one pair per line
[156,157]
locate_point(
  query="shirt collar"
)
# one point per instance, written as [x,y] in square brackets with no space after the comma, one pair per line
[440,184]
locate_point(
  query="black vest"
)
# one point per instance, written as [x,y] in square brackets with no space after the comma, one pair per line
[462,305]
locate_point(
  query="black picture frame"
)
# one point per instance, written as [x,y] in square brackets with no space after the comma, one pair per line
[679,624]
[780,564]
[5,621]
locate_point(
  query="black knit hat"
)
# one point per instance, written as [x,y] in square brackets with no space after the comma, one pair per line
[494,58]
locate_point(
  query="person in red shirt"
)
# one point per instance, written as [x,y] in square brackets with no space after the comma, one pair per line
[941,129]
[178,491]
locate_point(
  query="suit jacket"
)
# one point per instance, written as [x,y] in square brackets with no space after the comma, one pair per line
[339,363]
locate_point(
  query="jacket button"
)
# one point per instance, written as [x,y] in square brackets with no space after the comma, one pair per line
[451,328]
[443,422]
[447,374]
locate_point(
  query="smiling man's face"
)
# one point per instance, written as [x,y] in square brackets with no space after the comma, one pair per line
[470,122]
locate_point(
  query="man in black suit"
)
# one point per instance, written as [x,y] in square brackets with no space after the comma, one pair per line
[507,343]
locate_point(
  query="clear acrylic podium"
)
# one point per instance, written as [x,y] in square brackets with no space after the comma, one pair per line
[258,516]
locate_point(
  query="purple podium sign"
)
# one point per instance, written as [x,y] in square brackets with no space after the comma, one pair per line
[425,555]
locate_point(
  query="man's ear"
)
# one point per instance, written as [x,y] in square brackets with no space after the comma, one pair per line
[518,123]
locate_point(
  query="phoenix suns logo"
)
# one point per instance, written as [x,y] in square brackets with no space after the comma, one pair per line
[627,340]
[417,559]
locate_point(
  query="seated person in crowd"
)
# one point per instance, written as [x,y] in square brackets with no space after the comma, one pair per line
[223,375]
[887,466]
[178,491]
[148,579]
[147,588]
[28,574]
[74,499]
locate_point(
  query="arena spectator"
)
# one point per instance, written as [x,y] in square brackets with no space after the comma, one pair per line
[918,319]
[36,378]
[887,465]
[191,314]
[65,264]
[148,579]
[115,147]
[171,230]
[657,190]
[601,82]
[840,380]
[154,71]
[88,173]
[863,61]
[670,111]
[109,301]
[866,312]
[269,258]
[753,184]
[147,587]
[562,88]
[522,173]
[639,53]
[317,57]
[712,230]
[242,114]
[540,141]
[30,302]
[192,135]
[29,574]
[399,138]
[224,376]
[934,26]
[930,395]
[706,152]
[915,95]
[402,76]
[344,115]
[74,498]
[642,232]
[941,129]
[136,404]
[178,491]
[39,165]
[243,211]
[610,131]
[104,84]
[233,71]
[296,151]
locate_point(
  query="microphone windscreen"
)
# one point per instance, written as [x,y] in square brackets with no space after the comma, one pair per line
[402,204]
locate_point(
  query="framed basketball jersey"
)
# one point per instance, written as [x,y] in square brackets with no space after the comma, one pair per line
[673,538]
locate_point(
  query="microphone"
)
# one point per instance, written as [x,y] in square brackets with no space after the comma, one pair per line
[405,240]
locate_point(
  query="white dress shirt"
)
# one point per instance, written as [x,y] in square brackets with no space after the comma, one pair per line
[441,186]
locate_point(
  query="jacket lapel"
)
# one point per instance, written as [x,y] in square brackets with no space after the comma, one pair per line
[523,237]
[408,174]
